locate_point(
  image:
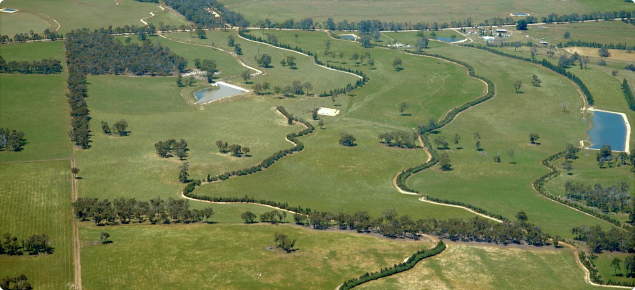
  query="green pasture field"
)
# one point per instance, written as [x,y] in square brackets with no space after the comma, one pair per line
[603,32]
[93,14]
[36,105]
[231,257]
[603,265]
[505,123]
[168,17]
[36,199]
[22,22]
[33,51]
[224,61]
[429,86]
[411,10]
[277,75]
[471,266]
[155,110]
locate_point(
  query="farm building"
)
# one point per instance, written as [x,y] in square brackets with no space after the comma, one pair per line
[489,38]
[500,30]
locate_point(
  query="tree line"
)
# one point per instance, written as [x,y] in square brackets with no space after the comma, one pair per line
[34,245]
[608,199]
[628,95]
[44,66]
[97,52]
[127,210]
[582,43]
[11,140]
[80,119]
[234,149]
[396,268]
[24,37]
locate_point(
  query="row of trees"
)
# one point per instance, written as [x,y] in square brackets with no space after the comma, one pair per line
[400,139]
[98,52]
[76,94]
[168,147]
[44,66]
[127,210]
[628,95]
[608,199]
[234,149]
[24,37]
[369,26]
[11,140]
[35,244]
[582,43]
[598,240]
[119,128]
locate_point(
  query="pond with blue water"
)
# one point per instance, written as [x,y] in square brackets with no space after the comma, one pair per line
[212,94]
[447,39]
[520,14]
[608,128]
[348,37]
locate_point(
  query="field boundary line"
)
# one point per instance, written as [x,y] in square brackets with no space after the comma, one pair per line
[76,244]
[37,160]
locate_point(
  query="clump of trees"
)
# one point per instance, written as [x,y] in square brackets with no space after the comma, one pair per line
[16,283]
[263,60]
[273,217]
[445,162]
[234,149]
[604,156]
[34,245]
[168,147]
[598,240]
[109,56]
[347,140]
[284,242]
[119,128]
[399,139]
[44,66]
[248,217]
[11,140]
[628,95]
[535,81]
[127,210]
[613,198]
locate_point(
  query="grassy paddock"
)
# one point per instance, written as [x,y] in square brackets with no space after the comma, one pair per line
[277,75]
[231,257]
[34,51]
[411,10]
[21,22]
[603,265]
[469,266]
[36,105]
[505,123]
[36,200]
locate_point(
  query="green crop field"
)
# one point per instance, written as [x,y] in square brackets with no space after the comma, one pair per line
[602,32]
[468,266]
[411,10]
[231,257]
[36,200]
[33,51]
[167,17]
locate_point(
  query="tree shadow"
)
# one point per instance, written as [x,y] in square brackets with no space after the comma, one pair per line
[459,148]
[480,149]
[405,114]
[398,69]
